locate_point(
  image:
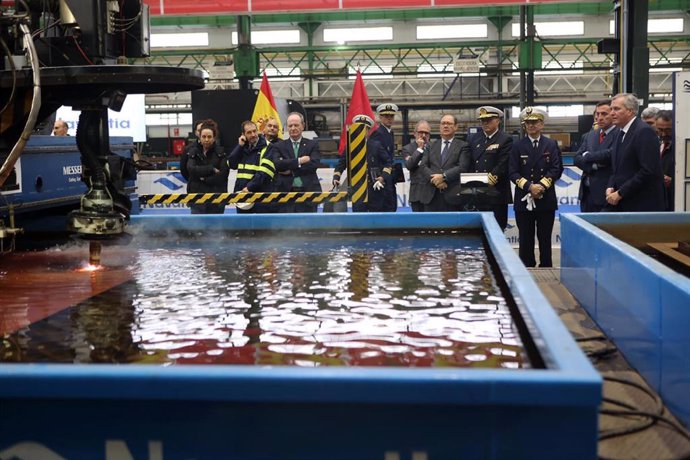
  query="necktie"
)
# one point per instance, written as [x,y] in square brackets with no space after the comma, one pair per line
[602,134]
[622,136]
[446,147]
[536,144]
[664,145]
[296,181]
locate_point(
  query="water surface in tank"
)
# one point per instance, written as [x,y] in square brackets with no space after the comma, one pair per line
[305,300]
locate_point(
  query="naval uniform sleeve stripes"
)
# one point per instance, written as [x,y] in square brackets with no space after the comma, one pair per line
[546,182]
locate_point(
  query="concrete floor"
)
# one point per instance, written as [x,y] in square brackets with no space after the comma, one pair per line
[653,443]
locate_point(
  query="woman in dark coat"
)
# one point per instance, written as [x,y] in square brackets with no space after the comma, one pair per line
[208,170]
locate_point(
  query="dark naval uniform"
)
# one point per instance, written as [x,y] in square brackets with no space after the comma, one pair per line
[385,137]
[541,165]
[255,170]
[490,155]
[378,164]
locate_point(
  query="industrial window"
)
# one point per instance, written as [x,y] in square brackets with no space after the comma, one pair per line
[168,119]
[441,32]
[363,34]
[285,73]
[272,37]
[179,40]
[573,110]
[552,29]
[561,68]
[659,26]
[372,72]
[441,69]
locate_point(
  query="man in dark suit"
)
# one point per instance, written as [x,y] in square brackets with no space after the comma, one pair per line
[594,159]
[296,165]
[664,129]
[442,167]
[636,183]
[490,153]
[413,153]
[384,136]
[535,166]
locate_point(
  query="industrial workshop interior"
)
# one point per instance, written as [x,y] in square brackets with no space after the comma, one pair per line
[344,230]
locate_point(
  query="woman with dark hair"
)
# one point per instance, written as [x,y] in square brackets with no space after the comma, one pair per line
[208,170]
[197,132]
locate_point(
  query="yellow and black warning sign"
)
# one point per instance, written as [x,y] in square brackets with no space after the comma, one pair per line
[256,197]
[357,151]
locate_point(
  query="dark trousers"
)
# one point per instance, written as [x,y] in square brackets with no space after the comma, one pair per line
[526,222]
[390,202]
[207,208]
[417,206]
[586,204]
[439,204]
[501,215]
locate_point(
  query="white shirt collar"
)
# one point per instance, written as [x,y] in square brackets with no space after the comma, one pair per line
[534,139]
[448,140]
[299,141]
[627,127]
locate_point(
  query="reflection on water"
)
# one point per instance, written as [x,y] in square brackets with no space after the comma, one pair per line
[307,301]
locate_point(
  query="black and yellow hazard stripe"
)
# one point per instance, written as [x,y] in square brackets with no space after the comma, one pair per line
[255,197]
[357,151]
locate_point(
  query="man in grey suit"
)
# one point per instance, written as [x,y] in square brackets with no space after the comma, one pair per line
[442,167]
[594,159]
[413,153]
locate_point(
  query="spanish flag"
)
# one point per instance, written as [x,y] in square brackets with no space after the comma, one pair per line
[359,105]
[265,108]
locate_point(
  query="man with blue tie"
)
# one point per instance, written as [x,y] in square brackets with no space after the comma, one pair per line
[535,166]
[441,167]
[637,182]
[296,165]
[384,136]
[594,159]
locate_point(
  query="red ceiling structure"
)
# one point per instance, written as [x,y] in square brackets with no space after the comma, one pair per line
[199,7]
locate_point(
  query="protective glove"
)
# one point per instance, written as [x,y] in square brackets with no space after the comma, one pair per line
[530,202]
[378,185]
[493,180]
[336,183]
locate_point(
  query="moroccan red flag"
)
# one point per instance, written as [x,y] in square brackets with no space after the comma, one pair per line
[359,105]
[265,108]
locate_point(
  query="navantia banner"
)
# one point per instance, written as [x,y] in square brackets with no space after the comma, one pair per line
[130,121]
[179,7]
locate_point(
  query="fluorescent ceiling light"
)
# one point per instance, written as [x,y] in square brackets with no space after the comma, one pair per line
[552,29]
[179,40]
[441,32]
[272,37]
[358,34]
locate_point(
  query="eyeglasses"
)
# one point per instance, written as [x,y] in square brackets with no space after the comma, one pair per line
[424,133]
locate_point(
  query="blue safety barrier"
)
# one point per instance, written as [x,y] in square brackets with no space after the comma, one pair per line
[641,304]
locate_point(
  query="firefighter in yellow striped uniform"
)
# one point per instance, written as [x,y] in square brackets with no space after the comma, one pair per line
[255,163]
